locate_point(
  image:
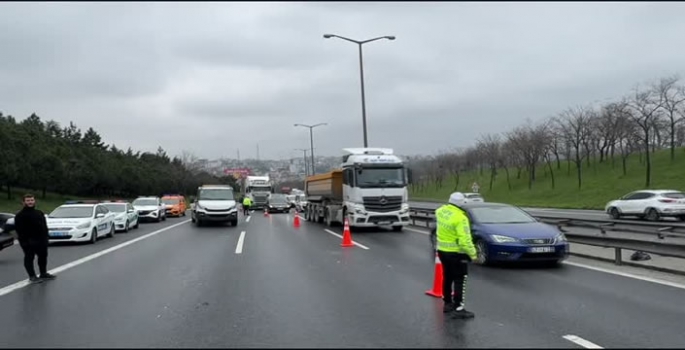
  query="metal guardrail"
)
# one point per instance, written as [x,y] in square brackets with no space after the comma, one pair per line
[656,230]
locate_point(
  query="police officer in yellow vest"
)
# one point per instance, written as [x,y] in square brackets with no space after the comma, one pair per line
[246,205]
[455,249]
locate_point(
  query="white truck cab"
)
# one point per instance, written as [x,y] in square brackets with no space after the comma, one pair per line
[214,203]
[370,190]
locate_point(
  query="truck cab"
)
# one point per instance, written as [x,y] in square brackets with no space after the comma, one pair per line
[258,189]
[370,190]
[214,203]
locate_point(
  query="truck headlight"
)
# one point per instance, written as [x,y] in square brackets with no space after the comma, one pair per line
[359,208]
[405,208]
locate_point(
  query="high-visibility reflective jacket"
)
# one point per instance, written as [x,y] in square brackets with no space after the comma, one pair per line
[454,231]
[247,201]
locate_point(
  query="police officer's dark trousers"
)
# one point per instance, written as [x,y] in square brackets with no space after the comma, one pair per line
[454,270]
[246,209]
[31,250]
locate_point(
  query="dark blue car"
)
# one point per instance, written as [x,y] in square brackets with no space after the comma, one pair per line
[503,232]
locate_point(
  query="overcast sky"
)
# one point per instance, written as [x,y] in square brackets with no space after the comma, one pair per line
[212,78]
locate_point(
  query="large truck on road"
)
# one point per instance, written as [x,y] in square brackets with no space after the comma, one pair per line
[258,189]
[370,190]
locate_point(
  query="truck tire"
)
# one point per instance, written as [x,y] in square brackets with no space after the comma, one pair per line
[397,228]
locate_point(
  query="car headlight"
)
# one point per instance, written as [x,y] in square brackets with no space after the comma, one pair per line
[560,238]
[198,206]
[503,239]
[84,225]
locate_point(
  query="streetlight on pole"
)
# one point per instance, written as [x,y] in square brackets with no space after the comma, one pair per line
[306,168]
[361,71]
[311,141]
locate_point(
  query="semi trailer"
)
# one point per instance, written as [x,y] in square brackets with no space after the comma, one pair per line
[370,190]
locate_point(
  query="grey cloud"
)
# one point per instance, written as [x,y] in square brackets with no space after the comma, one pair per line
[215,77]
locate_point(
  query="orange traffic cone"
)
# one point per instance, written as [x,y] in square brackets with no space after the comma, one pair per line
[437,280]
[347,237]
[296,221]
[266,213]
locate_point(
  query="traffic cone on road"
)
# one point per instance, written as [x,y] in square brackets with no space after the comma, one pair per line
[437,280]
[266,213]
[296,221]
[347,237]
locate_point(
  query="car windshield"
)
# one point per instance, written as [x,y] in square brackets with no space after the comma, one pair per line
[116,208]
[145,201]
[222,194]
[380,177]
[170,201]
[674,195]
[501,215]
[72,212]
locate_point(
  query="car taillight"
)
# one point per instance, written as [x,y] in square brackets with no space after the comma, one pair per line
[667,200]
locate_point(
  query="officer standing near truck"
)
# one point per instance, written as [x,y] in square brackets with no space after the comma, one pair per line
[246,205]
[455,250]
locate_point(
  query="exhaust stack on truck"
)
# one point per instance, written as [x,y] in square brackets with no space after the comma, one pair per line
[370,190]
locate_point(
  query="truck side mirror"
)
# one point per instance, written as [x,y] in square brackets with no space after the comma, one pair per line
[410,177]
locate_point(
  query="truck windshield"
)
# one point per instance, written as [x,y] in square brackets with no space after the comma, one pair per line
[380,177]
[216,194]
[260,189]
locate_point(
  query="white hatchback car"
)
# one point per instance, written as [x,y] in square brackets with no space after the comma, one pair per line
[82,222]
[649,204]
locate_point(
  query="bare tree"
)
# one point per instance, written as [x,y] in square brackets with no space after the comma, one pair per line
[672,96]
[575,123]
[530,142]
[490,148]
[646,104]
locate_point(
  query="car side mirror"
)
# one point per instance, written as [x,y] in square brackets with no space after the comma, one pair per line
[100,215]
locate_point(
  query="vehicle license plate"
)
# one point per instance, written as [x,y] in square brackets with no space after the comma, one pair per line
[57,234]
[541,250]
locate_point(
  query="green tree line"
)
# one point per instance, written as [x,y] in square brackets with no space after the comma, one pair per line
[46,157]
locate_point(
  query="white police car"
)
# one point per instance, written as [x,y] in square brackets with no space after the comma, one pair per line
[80,222]
[125,216]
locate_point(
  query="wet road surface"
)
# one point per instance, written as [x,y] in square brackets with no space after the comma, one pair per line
[281,286]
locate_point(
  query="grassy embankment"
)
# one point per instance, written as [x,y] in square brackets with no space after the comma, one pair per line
[47,204]
[602,182]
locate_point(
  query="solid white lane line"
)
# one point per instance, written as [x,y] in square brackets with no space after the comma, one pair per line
[248,219]
[582,342]
[625,274]
[338,235]
[241,241]
[57,270]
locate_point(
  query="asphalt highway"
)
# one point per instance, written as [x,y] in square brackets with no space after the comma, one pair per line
[265,283]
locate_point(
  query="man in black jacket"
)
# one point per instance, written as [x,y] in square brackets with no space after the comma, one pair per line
[32,232]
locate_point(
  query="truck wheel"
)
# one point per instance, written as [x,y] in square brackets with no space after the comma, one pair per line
[397,228]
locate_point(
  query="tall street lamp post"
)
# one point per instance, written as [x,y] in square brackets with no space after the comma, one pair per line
[304,153]
[361,71]
[311,141]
